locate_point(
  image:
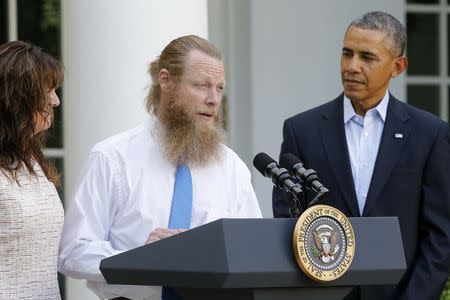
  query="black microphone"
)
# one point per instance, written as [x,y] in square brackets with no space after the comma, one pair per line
[308,177]
[281,178]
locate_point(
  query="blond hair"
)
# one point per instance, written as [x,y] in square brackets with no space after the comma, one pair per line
[173,59]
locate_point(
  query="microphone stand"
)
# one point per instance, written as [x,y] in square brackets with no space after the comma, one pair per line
[296,205]
[319,196]
[322,190]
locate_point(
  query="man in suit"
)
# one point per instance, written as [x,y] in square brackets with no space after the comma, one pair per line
[380,156]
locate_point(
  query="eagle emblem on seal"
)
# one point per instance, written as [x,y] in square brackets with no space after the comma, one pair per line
[326,242]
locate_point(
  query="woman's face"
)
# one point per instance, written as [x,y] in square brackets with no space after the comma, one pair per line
[45,118]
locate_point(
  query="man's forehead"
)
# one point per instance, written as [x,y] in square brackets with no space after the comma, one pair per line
[362,34]
[365,40]
[199,63]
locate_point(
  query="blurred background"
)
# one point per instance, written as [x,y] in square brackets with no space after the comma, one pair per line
[281,58]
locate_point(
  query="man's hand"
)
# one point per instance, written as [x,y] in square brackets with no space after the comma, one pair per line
[162,233]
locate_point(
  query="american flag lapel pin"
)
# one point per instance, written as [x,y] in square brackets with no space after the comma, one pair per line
[399,135]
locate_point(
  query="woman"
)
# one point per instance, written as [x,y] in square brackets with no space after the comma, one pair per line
[31,214]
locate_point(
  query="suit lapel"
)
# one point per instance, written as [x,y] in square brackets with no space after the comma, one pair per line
[392,143]
[332,133]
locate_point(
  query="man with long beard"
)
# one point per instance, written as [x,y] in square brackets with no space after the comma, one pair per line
[167,175]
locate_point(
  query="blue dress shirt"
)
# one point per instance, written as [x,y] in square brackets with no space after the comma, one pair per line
[363,140]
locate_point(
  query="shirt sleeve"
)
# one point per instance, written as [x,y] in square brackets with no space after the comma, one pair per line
[251,206]
[248,206]
[84,241]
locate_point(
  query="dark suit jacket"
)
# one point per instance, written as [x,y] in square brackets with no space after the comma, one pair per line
[410,180]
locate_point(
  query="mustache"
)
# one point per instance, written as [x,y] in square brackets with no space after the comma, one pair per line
[354,79]
[212,113]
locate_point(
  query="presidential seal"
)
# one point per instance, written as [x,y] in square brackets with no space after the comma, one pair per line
[324,243]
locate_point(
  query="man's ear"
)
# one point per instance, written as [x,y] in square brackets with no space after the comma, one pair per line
[401,63]
[164,80]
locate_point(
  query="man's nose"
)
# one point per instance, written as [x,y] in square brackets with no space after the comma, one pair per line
[214,97]
[354,65]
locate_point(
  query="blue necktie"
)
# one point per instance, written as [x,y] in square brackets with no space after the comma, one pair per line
[180,213]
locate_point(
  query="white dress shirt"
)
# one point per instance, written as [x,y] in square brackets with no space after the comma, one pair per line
[126,191]
[363,140]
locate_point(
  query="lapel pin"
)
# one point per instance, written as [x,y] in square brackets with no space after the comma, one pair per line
[398,135]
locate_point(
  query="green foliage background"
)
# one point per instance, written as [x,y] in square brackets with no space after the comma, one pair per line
[446,293]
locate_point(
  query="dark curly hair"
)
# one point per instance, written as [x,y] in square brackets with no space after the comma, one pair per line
[27,73]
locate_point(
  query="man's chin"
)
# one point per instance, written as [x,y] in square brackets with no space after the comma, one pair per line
[205,119]
[353,95]
[202,124]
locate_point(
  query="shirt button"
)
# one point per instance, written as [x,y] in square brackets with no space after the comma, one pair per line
[366,133]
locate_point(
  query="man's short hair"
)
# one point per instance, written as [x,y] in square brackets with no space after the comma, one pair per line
[381,21]
[173,58]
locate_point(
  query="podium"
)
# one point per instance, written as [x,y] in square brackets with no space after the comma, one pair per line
[253,259]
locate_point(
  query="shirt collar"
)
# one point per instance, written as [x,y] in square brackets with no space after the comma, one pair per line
[155,128]
[349,112]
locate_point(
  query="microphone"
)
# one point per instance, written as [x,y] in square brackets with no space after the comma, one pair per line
[281,178]
[308,177]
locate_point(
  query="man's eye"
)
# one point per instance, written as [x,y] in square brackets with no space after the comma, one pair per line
[368,58]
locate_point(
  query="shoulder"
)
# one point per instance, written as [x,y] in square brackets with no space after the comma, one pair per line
[317,113]
[420,120]
[122,141]
[233,163]
[113,154]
